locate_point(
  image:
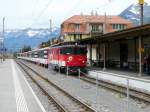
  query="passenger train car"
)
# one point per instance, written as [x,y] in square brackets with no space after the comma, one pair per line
[39,56]
[63,57]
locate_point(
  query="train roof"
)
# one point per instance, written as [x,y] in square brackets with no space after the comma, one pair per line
[35,50]
[59,46]
[40,49]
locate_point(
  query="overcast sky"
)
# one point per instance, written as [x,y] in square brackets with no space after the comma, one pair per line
[37,13]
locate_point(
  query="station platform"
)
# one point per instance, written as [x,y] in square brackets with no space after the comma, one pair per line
[16,95]
[117,77]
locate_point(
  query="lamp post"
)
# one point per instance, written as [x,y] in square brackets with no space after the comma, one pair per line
[141,2]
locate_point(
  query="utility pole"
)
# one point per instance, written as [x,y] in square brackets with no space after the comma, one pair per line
[50,26]
[105,23]
[141,2]
[3,37]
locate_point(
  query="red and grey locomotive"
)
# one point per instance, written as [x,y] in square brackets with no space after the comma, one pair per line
[68,56]
[59,57]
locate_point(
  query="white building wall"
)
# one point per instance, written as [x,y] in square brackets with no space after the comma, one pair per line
[88,51]
[94,52]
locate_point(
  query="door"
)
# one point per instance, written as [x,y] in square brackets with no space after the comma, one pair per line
[123,55]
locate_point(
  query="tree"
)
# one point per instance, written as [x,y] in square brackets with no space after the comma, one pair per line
[26,48]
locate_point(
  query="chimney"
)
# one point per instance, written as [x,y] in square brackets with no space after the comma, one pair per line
[105,23]
[92,13]
[96,14]
[81,13]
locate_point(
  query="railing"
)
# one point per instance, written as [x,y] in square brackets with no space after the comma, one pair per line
[128,83]
[125,81]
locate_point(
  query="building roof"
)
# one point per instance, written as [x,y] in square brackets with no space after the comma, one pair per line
[96,19]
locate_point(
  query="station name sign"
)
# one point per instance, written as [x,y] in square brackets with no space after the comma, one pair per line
[141,2]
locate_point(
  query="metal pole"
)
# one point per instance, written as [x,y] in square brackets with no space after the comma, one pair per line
[50,26]
[67,70]
[105,23]
[141,14]
[140,56]
[140,44]
[104,56]
[59,66]
[90,54]
[3,38]
[97,91]
[79,72]
[127,95]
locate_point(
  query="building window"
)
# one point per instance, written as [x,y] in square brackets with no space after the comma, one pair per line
[74,36]
[95,28]
[77,26]
[118,26]
[77,36]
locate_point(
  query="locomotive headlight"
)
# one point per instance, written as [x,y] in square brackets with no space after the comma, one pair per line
[70,58]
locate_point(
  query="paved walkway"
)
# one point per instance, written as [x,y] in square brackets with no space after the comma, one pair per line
[15,93]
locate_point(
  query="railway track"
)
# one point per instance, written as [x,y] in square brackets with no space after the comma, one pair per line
[135,94]
[62,100]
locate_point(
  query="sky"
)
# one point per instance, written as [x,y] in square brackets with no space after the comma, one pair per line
[20,14]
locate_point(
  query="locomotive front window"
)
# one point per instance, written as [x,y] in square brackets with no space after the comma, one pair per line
[66,50]
[73,50]
[80,51]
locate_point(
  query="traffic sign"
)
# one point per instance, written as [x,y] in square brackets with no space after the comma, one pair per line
[3,49]
[1,39]
[141,50]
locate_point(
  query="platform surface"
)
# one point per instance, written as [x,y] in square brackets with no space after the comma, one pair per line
[120,77]
[16,94]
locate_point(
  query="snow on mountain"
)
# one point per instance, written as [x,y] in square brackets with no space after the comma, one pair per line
[133,13]
[17,38]
[32,33]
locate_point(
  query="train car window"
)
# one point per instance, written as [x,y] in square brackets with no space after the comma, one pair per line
[32,55]
[45,51]
[45,56]
[41,54]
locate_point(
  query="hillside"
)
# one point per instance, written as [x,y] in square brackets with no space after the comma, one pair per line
[133,13]
[16,39]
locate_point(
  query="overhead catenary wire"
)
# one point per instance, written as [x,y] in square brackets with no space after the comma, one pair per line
[34,7]
[35,21]
[41,13]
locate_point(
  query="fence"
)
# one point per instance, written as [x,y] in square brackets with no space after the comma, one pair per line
[122,103]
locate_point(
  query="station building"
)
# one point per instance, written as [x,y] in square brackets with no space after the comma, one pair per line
[80,27]
[121,49]
[112,42]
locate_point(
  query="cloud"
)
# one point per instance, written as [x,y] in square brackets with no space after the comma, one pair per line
[23,13]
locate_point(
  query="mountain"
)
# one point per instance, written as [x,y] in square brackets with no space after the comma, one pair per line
[133,13]
[15,39]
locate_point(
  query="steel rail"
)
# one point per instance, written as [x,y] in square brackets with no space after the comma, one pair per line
[50,97]
[118,88]
[85,106]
